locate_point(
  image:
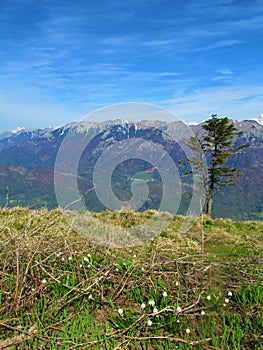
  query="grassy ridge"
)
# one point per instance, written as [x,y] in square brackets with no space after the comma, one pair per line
[59,291]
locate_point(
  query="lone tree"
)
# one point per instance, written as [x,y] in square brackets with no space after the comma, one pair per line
[217,146]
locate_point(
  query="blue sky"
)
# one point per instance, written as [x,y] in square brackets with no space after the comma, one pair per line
[60,60]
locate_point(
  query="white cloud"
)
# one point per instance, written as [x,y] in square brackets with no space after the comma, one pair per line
[218,44]
[238,102]
[225,71]
[223,75]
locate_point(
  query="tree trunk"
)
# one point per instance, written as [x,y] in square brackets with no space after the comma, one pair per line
[209,203]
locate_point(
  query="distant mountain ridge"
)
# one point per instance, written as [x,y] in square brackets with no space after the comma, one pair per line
[28,156]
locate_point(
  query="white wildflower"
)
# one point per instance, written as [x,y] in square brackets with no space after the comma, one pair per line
[120,311]
[143,306]
[164,294]
[151,302]
[149,323]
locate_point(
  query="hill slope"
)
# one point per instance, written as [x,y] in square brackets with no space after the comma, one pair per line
[58,290]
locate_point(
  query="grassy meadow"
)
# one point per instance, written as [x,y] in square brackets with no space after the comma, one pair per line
[178,291]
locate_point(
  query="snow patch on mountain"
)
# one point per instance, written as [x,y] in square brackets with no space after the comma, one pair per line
[191,123]
[17,130]
[259,120]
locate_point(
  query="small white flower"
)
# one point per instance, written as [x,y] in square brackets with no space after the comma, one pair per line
[188,330]
[88,255]
[208,297]
[44,281]
[143,306]
[155,310]
[177,283]
[229,294]
[178,321]
[135,256]
[70,258]
[86,259]
[151,302]
[80,265]
[226,300]
[164,294]
[149,322]
[90,297]
[202,312]
[120,311]
[62,259]
[179,309]
[142,268]
[117,269]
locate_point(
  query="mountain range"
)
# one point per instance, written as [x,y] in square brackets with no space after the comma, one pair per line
[28,161]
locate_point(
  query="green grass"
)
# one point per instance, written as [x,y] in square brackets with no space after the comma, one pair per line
[59,291]
[143,175]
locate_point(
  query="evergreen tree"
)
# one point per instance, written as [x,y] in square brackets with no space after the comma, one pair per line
[217,146]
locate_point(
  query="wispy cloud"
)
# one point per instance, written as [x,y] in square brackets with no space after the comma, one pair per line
[235,102]
[218,44]
[158,43]
[225,71]
[223,74]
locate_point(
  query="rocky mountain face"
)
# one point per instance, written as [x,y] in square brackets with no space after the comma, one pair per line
[28,159]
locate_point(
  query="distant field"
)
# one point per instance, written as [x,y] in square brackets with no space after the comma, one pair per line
[60,291]
[143,175]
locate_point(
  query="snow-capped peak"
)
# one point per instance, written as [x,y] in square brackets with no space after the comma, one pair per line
[191,123]
[17,130]
[259,120]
